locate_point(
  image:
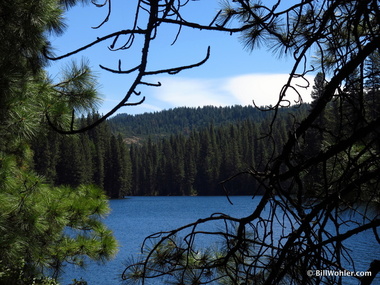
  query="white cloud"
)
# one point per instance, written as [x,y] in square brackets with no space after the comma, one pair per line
[190,92]
[264,89]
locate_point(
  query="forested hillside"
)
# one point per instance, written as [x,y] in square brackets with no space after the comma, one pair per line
[183,151]
[196,163]
[94,157]
[181,120]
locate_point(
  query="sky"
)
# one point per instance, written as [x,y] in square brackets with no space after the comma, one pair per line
[232,76]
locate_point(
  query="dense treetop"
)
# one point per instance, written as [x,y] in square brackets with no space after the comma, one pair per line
[182,120]
[183,151]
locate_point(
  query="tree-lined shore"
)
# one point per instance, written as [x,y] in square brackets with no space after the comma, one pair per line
[190,159]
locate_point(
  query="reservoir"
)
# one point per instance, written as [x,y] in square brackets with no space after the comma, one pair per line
[135,218]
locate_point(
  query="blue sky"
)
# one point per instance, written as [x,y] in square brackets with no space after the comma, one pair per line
[231,76]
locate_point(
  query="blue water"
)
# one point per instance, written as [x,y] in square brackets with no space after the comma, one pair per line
[135,218]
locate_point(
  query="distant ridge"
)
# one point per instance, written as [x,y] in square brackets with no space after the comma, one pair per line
[183,120]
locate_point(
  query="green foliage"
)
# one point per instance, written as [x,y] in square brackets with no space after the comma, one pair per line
[45,227]
[96,157]
[24,26]
[181,120]
[175,260]
[195,163]
[77,89]
[185,268]
[185,163]
[41,227]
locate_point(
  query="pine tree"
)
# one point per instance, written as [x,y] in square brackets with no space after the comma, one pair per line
[34,216]
[136,174]
[315,137]
[46,155]
[100,137]
[70,166]
[318,86]
[87,147]
[372,87]
[125,168]
[166,170]
[208,163]
[112,169]
[190,166]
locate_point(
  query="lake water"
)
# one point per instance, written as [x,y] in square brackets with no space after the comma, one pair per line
[135,218]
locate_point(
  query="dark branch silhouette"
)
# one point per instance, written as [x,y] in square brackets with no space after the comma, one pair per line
[321,171]
[307,191]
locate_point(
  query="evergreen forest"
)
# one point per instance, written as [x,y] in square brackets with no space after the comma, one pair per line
[184,151]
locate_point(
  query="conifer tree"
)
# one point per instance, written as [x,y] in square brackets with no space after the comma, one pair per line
[190,158]
[113,180]
[100,137]
[372,84]
[126,170]
[35,216]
